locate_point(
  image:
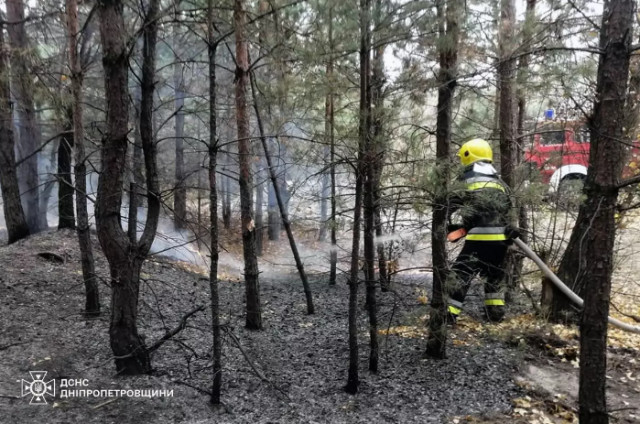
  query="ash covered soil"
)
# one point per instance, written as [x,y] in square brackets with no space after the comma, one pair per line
[302,358]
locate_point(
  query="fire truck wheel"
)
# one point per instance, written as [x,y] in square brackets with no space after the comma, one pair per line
[569,194]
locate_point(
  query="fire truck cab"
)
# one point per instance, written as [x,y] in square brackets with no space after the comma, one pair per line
[559,151]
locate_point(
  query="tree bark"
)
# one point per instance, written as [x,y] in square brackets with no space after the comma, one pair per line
[378,147]
[213,209]
[353,380]
[66,215]
[281,206]
[588,260]
[226,194]
[125,259]
[252,288]
[180,191]
[329,116]
[29,132]
[370,159]
[508,113]
[15,219]
[92,295]
[449,19]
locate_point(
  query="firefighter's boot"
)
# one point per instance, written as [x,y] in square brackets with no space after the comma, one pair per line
[494,307]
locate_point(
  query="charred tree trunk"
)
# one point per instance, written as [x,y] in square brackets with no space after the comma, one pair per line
[92,295]
[66,215]
[253,309]
[29,132]
[14,216]
[125,259]
[449,18]
[213,209]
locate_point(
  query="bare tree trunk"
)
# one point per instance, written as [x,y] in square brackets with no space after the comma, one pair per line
[180,191]
[523,74]
[369,205]
[92,295]
[588,259]
[283,210]
[378,148]
[253,309]
[259,202]
[213,209]
[353,380]
[329,116]
[125,260]
[506,83]
[29,133]
[449,18]
[226,197]
[17,227]
[66,215]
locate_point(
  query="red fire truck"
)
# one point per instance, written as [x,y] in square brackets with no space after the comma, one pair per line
[559,150]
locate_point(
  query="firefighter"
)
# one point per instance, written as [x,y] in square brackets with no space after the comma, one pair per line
[484,207]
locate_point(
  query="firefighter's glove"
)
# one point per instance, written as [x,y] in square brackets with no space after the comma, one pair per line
[453,227]
[511,232]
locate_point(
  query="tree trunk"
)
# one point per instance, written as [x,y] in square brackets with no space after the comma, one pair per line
[125,259]
[29,132]
[180,192]
[378,147]
[369,203]
[588,259]
[329,116]
[92,295]
[508,112]
[253,311]
[449,18]
[281,206]
[259,202]
[273,214]
[353,380]
[523,74]
[213,209]
[15,219]
[66,215]
[226,193]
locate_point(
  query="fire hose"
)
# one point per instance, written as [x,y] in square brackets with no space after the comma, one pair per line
[563,287]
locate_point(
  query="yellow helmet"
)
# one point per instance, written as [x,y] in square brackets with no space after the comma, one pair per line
[474,151]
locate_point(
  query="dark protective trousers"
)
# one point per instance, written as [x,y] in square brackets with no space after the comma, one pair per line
[484,258]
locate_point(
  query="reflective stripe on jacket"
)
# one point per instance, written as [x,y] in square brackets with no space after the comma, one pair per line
[486,203]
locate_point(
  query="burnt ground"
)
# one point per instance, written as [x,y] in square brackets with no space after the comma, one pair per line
[302,359]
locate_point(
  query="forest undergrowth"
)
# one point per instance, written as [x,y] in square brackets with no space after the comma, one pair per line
[520,371]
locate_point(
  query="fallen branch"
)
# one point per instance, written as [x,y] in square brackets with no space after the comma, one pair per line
[199,389]
[100,405]
[176,330]
[5,347]
[259,373]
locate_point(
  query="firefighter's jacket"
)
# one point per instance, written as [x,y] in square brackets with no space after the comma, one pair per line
[484,204]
